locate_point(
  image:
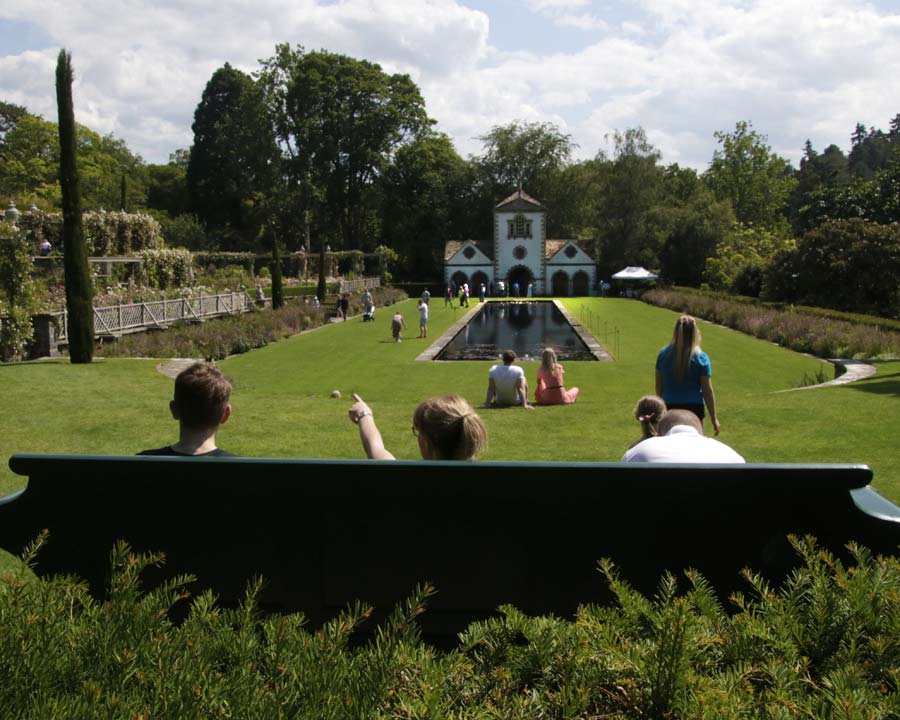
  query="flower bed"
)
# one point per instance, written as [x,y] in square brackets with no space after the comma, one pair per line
[217,339]
[818,334]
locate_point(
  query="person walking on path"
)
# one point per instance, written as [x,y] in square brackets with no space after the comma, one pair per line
[481,291]
[448,297]
[684,373]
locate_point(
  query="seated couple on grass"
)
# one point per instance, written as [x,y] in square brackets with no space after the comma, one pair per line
[507,385]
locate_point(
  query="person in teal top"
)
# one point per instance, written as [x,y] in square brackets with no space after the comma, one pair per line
[684,372]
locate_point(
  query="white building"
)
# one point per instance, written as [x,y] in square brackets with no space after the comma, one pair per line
[521,253]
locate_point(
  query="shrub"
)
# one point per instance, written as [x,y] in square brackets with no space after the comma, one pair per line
[17,301]
[166,267]
[822,645]
[115,233]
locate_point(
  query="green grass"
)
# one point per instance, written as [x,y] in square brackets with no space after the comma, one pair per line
[282,405]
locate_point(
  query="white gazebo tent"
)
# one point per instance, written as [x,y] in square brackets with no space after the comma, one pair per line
[634,273]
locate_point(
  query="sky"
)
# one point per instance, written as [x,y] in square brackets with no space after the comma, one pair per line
[681,69]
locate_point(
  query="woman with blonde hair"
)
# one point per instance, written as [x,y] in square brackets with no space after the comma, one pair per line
[447,427]
[550,389]
[684,372]
[648,412]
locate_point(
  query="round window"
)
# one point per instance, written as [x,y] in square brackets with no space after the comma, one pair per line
[519,252]
[571,252]
[469,252]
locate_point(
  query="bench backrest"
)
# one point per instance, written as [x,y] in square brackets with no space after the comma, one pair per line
[326,532]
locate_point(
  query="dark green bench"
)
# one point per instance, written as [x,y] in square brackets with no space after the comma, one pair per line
[325,532]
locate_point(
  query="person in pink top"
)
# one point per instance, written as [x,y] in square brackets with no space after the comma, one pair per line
[550,389]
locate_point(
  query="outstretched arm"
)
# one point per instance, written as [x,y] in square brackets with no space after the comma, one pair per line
[491,392]
[709,397]
[361,415]
[522,389]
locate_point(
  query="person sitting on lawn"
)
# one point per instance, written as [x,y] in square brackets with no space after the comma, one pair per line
[200,405]
[550,389]
[507,384]
[681,440]
[447,428]
[648,413]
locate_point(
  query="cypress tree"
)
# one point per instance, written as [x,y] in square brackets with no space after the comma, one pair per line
[277,288]
[321,287]
[123,189]
[79,287]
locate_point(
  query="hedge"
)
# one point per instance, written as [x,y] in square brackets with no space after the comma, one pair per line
[812,333]
[114,233]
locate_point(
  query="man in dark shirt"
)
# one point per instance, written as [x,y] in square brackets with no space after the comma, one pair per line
[201,404]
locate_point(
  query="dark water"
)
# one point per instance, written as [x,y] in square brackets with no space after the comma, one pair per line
[525,327]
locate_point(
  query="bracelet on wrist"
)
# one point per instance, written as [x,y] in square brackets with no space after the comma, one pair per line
[360,415]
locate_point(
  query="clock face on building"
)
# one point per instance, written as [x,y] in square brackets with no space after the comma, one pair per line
[469,252]
[519,252]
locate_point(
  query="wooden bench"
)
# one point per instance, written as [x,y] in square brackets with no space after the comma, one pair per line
[326,532]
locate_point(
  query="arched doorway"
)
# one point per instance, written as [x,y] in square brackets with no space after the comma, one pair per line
[560,283]
[581,283]
[521,275]
[459,277]
[479,277]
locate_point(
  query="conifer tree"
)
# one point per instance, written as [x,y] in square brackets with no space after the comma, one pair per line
[79,288]
[277,288]
[321,287]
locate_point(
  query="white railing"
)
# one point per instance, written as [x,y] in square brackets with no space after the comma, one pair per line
[115,320]
[349,286]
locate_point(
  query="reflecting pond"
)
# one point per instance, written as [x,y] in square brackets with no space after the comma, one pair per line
[525,327]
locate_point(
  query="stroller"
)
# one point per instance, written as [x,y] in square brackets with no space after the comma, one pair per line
[369,314]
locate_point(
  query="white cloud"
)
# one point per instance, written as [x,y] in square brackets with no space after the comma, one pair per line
[682,69]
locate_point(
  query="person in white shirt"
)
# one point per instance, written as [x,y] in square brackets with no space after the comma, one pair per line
[681,440]
[423,319]
[507,384]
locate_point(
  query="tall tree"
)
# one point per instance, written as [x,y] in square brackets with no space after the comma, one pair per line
[277,285]
[756,181]
[229,165]
[524,154]
[339,121]
[424,192]
[631,188]
[79,288]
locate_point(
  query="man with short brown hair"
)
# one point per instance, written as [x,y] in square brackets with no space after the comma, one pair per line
[200,405]
[507,385]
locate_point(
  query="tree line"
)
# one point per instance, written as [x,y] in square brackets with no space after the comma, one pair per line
[317,149]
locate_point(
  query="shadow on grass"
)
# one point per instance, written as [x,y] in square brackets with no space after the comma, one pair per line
[879,384]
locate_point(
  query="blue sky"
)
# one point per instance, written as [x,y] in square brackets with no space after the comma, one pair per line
[682,69]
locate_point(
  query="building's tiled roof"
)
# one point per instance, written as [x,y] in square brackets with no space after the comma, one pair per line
[519,200]
[554,246]
[454,246]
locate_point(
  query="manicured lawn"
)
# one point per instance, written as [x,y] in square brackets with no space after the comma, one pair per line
[282,405]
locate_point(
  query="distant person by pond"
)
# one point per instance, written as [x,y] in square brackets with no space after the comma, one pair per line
[550,389]
[200,405]
[447,428]
[507,385]
[448,297]
[684,373]
[648,413]
[681,440]
[423,319]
